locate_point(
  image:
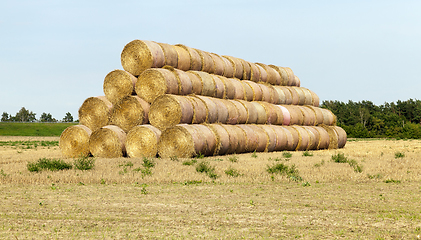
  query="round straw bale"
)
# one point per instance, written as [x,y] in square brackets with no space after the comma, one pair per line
[314,137]
[233,113]
[200,111]
[324,138]
[273,76]
[129,112]
[282,72]
[262,138]
[342,137]
[292,136]
[228,68]
[169,110]
[208,83]
[271,113]
[297,117]
[233,137]
[309,118]
[156,82]
[271,134]
[291,76]
[246,69]
[257,91]
[281,94]
[255,72]
[279,114]
[328,117]
[139,55]
[229,87]
[238,66]
[297,81]
[262,116]
[95,112]
[287,93]
[315,99]
[281,138]
[248,91]
[219,64]
[286,117]
[295,97]
[318,113]
[74,141]
[142,141]
[274,96]
[221,109]
[222,139]
[209,136]
[308,97]
[211,107]
[196,82]
[183,62]
[266,92]
[251,137]
[184,83]
[303,138]
[333,136]
[301,95]
[170,54]
[251,111]
[219,86]
[195,59]
[242,139]
[239,89]
[180,141]
[118,84]
[242,112]
[263,74]
[207,61]
[108,142]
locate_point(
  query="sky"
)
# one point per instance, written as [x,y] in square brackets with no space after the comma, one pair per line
[54,54]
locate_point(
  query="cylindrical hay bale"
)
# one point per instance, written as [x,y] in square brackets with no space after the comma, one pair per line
[295,97]
[314,137]
[95,112]
[195,59]
[182,141]
[219,87]
[281,95]
[281,138]
[287,93]
[246,69]
[324,138]
[283,75]
[286,116]
[315,99]
[301,95]
[342,137]
[211,107]
[242,112]
[251,138]
[233,137]
[142,141]
[308,97]
[296,115]
[318,113]
[239,89]
[130,112]
[138,56]
[279,114]
[233,113]
[108,142]
[196,83]
[208,83]
[200,111]
[303,138]
[297,81]
[183,62]
[328,117]
[228,68]
[74,141]
[273,76]
[170,54]
[274,97]
[292,136]
[169,110]
[238,66]
[156,82]
[251,111]
[291,76]
[229,87]
[333,136]
[210,137]
[257,91]
[219,64]
[255,72]
[207,61]
[309,118]
[221,111]
[271,134]
[266,92]
[118,84]
[222,139]
[262,138]
[271,113]
[263,74]
[184,83]
[262,117]
[248,91]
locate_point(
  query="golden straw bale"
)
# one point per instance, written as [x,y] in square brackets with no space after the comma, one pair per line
[156,82]
[239,89]
[266,92]
[207,61]
[315,99]
[324,138]
[108,142]
[273,76]
[271,113]
[233,113]
[333,136]
[221,109]
[95,112]
[281,95]
[210,137]
[222,139]
[257,91]
[183,58]
[170,54]
[142,141]
[301,95]
[271,135]
[169,110]
[251,111]
[242,111]
[303,138]
[262,116]
[297,81]
[295,98]
[255,72]
[238,66]
[138,56]
[318,113]
[228,68]
[229,87]
[296,116]
[263,74]
[251,137]
[286,117]
[219,64]
[180,141]
[233,135]
[342,137]
[308,97]
[274,96]
[74,141]
[196,82]
[282,74]
[129,112]
[208,83]
[291,76]
[308,115]
[195,59]
[287,93]
[281,138]
[292,136]
[184,83]
[246,69]
[248,91]
[262,138]
[211,108]
[200,111]
[279,114]
[314,137]
[118,84]
[219,87]
[328,117]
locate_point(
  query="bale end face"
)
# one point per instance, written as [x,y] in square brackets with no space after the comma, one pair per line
[176,142]
[142,141]
[74,141]
[108,142]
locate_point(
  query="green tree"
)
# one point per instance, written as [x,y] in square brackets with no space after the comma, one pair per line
[47,117]
[5,117]
[24,115]
[68,117]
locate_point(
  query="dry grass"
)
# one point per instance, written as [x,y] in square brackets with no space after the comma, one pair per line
[120,199]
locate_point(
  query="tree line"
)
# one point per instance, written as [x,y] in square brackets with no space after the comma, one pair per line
[25,115]
[364,119]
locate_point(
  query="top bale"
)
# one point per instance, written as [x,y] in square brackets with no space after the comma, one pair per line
[138,56]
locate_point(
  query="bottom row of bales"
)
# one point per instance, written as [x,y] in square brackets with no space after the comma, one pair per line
[189,140]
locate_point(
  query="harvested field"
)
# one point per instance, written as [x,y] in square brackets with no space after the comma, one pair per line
[323,199]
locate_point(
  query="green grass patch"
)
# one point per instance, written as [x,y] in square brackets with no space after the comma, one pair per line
[205,167]
[33,129]
[48,164]
[340,158]
[84,163]
[232,172]
[290,171]
[29,144]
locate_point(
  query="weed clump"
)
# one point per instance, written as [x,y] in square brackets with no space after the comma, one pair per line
[290,171]
[399,155]
[307,154]
[48,164]
[232,172]
[287,154]
[340,158]
[84,163]
[205,167]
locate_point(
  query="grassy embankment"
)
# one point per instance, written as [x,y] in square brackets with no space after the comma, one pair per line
[32,129]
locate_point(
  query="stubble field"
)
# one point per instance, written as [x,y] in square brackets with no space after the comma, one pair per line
[374,194]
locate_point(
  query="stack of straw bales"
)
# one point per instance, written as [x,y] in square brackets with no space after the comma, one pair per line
[174,100]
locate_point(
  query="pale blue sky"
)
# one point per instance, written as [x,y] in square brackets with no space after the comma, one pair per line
[54,54]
